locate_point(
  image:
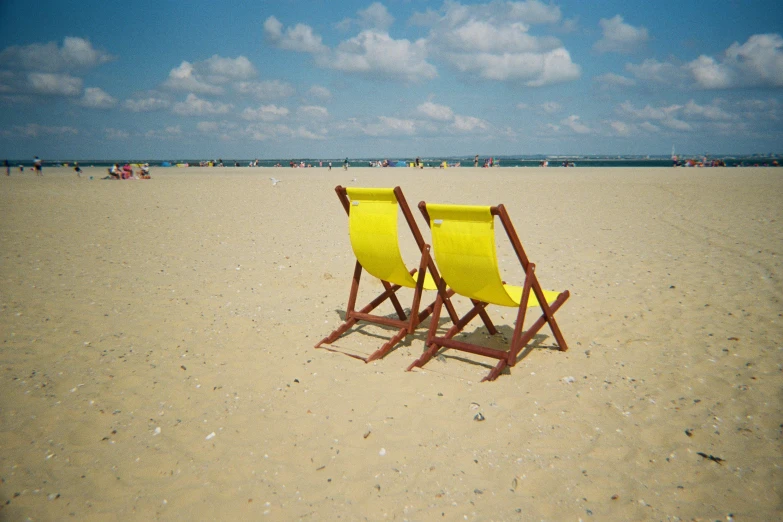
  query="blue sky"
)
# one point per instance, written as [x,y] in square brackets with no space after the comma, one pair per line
[399,78]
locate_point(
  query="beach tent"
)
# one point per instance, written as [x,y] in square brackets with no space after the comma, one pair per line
[165,164]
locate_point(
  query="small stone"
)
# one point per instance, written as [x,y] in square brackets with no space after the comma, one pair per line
[382,452]
[210,436]
[478,417]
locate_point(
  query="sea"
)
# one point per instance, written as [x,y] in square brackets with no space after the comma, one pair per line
[467,161]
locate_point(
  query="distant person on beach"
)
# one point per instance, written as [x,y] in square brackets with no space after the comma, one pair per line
[77,168]
[114,172]
[345,164]
[7,168]
[475,161]
[38,166]
[330,165]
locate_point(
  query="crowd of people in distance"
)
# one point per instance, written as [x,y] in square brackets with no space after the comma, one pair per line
[127,172]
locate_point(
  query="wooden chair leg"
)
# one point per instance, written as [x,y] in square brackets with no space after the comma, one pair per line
[383,350]
[425,357]
[350,321]
[496,371]
[433,348]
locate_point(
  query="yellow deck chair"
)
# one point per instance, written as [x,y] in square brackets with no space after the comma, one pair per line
[463,242]
[372,222]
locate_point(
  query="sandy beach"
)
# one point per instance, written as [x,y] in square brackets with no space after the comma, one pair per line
[157,357]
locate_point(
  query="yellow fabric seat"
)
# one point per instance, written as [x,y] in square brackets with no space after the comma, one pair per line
[463,244]
[373,214]
[372,224]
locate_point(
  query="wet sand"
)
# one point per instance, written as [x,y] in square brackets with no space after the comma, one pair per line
[157,355]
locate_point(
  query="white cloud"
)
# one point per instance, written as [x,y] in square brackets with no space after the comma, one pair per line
[493,41]
[55,84]
[677,124]
[527,12]
[709,74]
[533,12]
[97,98]
[115,134]
[222,129]
[469,124]
[551,107]
[313,112]
[303,132]
[621,128]
[266,90]
[207,76]
[389,126]
[185,78]
[195,106]
[318,91]
[708,112]
[33,130]
[435,111]
[371,52]
[220,70]
[522,106]
[533,69]
[377,53]
[761,58]
[570,25]
[755,109]
[480,36]
[376,16]
[620,37]
[265,113]
[652,70]
[649,112]
[166,133]
[615,80]
[666,116]
[207,126]
[74,53]
[298,38]
[757,62]
[149,104]
[649,127]
[425,19]
[573,123]
[261,131]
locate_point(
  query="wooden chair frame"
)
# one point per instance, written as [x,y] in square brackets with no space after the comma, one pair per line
[520,337]
[406,324]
